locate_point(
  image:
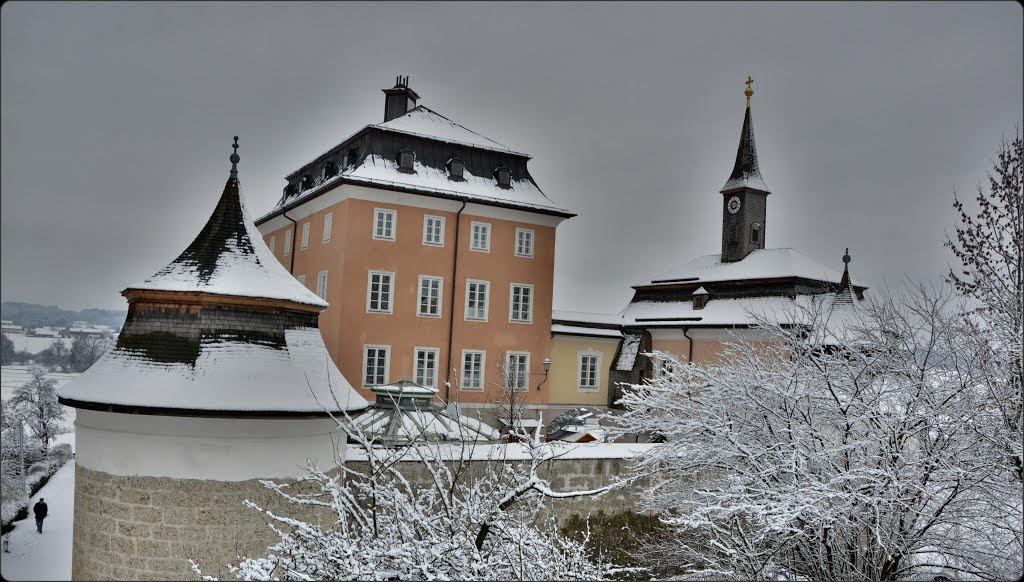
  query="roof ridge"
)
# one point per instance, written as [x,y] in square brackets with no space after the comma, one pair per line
[446,118]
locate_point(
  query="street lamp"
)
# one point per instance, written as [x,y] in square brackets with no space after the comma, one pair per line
[547,366]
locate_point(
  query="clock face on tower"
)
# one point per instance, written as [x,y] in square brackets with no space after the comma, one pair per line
[734,205]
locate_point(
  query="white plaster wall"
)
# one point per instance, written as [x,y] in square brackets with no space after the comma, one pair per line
[204,448]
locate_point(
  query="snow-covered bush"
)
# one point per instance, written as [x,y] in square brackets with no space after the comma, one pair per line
[832,452]
[382,526]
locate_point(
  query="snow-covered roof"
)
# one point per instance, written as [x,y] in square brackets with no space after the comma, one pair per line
[759,264]
[229,257]
[627,354]
[425,122]
[610,319]
[740,311]
[226,376]
[405,424]
[580,330]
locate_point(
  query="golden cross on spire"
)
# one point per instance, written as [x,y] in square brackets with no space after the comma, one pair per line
[749,91]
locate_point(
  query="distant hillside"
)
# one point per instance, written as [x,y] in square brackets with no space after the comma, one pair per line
[33,315]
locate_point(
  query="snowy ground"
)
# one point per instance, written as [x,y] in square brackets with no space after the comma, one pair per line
[34,345]
[48,556]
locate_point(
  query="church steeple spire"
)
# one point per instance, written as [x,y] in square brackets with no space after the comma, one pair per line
[745,172]
[745,196]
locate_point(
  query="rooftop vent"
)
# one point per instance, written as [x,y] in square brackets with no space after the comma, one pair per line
[398,99]
[455,167]
[406,158]
[504,177]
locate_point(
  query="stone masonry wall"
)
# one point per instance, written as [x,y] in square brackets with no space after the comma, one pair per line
[146,528]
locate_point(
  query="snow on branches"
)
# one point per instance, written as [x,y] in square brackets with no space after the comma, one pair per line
[832,452]
[465,523]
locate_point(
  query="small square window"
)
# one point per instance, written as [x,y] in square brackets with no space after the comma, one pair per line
[481,237]
[524,242]
[384,224]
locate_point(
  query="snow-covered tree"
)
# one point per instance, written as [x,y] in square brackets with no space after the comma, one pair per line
[990,248]
[466,523]
[57,355]
[12,485]
[86,349]
[845,448]
[36,402]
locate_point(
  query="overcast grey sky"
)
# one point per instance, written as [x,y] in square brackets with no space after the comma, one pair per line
[117,121]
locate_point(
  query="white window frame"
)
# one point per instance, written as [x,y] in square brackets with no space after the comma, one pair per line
[660,363]
[366,361]
[487,299]
[377,212]
[485,227]
[508,366]
[302,279]
[597,356]
[483,371]
[531,236]
[321,285]
[273,244]
[511,303]
[416,364]
[305,236]
[328,225]
[427,218]
[391,291]
[419,296]
[287,243]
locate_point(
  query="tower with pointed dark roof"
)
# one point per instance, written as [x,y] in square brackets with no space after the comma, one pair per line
[744,197]
[219,378]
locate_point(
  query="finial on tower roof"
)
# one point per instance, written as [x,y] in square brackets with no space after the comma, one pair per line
[234,158]
[844,283]
[846,257]
[749,91]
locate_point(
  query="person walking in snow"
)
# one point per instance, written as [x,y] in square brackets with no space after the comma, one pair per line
[40,510]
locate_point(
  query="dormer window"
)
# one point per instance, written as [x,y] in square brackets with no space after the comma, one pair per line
[406,157]
[504,177]
[700,298]
[350,157]
[330,170]
[306,183]
[455,168]
[290,190]
[755,233]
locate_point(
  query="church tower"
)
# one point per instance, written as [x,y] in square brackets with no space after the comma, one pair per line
[744,197]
